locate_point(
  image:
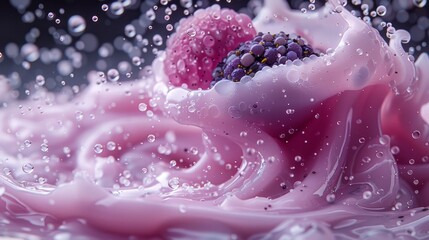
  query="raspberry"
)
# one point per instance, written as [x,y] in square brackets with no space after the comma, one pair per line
[200,43]
[264,50]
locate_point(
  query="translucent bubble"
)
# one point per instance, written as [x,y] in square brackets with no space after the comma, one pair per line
[151,138]
[136,61]
[174,183]
[111,145]
[298,158]
[130,30]
[142,107]
[27,168]
[51,15]
[381,10]
[330,198]
[416,134]
[394,150]
[367,195]
[94,18]
[290,111]
[191,32]
[169,27]
[27,143]
[116,8]
[163,2]
[76,24]
[157,40]
[419,3]
[359,51]
[150,15]
[30,52]
[173,163]
[98,148]
[44,147]
[40,80]
[105,7]
[113,75]
[186,3]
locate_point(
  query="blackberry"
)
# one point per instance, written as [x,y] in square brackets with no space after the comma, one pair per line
[264,50]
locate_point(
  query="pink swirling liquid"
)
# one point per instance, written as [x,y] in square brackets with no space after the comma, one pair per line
[333,146]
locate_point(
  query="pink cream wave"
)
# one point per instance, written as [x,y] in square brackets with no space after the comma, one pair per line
[301,151]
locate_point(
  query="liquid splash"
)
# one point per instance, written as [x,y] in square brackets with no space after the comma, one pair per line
[333,147]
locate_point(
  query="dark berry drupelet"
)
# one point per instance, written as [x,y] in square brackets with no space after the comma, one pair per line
[264,50]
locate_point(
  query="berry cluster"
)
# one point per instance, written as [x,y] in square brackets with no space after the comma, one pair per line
[201,41]
[264,50]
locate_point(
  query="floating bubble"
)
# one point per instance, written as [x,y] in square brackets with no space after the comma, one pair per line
[116,8]
[151,138]
[28,168]
[40,80]
[174,183]
[419,3]
[98,148]
[157,40]
[381,10]
[113,75]
[111,146]
[76,25]
[130,30]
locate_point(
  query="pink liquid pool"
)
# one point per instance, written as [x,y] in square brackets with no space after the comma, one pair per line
[334,146]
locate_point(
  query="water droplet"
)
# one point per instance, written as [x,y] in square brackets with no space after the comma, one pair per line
[117,8]
[298,158]
[367,195]
[151,138]
[419,3]
[44,147]
[394,150]
[330,198]
[186,3]
[111,146]
[359,51]
[76,24]
[169,27]
[191,32]
[381,10]
[173,163]
[290,111]
[105,7]
[113,75]
[157,40]
[142,107]
[416,134]
[193,150]
[98,148]
[130,31]
[40,80]
[174,183]
[28,168]
[27,143]
[94,18]
[79,115]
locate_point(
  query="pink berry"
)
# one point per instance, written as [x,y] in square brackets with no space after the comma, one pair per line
[201,42]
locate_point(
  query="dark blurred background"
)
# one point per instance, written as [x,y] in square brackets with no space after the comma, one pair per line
[40,42]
